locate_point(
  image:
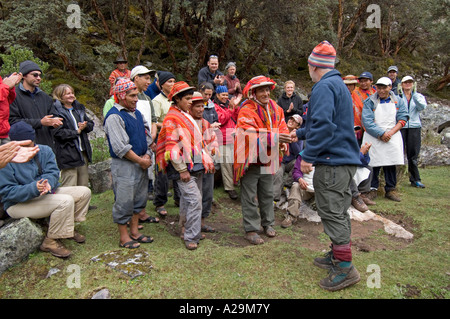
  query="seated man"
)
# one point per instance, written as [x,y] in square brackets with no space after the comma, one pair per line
[288,162]
[301,191]
[31,190]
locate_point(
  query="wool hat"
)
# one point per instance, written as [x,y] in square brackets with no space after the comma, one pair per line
[258,81]
[392,68]
[384,81]
[164,76]
[366,75]
[28,66]
[140,70]
[179,87]
[122,87]
[407,78]
[323,56]
[221,89]
[22,131]
[350,79]
[197,96]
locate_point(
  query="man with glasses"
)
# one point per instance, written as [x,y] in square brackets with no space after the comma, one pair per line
[33,105]
[211,73]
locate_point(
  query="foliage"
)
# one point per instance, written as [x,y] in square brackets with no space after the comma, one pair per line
[11,64]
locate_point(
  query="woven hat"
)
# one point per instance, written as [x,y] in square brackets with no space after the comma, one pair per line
[122,87]
[258,81]
[179,87]
[350,79]
[197,96]
[323,56]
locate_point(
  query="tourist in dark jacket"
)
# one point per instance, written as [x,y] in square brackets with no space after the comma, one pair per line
[72,147]
[290,102]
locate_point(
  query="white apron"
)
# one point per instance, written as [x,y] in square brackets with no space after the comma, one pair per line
[382,153]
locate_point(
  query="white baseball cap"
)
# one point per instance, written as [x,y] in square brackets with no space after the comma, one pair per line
[384,81]
[407,78]
[140,70]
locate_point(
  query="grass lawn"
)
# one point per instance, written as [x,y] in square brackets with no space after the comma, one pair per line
[226,267]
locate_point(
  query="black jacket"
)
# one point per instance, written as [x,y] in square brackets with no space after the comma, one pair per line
[68,154]
[284,102]
[31,108]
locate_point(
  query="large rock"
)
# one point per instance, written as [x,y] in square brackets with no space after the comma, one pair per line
[434,155]
[100,177]
[18,239]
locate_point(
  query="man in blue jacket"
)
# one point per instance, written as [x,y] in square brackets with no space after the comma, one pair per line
[332,148]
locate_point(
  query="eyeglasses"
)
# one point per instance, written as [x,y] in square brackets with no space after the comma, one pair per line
[36,75]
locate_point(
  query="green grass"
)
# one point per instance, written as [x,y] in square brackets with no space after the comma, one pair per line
[225,267]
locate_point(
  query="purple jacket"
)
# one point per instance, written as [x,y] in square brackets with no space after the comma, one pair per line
[297,172]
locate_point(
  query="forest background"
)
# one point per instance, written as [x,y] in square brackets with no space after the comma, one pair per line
[79,40]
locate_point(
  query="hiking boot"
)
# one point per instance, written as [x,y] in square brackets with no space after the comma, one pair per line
[392,195]
[287,222]
[417,184]
[341,275]
[367,200]
[54,247]
[325,262]
[358,203]
[373,194]
[232,194]
[78,237]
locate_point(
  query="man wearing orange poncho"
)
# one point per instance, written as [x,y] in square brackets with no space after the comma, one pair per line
[261,139]
[180,153]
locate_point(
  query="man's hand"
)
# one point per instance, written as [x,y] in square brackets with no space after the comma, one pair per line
[43,187]
[365,148]
[306,167]
[25,154]
[386,137]
[294,137]
[145,162]
[303,184]
[185,176]
[49,120]
[285,138]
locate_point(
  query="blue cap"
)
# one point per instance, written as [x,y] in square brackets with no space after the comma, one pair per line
[366,75]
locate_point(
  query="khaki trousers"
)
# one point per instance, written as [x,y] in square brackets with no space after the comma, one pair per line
[296,196]
[67,206]
[77,176]
[226,165]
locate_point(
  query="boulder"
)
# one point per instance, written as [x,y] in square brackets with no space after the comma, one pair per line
[18,239]
[100,176]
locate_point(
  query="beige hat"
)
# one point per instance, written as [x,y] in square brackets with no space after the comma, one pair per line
[140,70]
[407,78]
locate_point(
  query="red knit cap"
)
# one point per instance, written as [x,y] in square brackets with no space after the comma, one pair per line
[323,56]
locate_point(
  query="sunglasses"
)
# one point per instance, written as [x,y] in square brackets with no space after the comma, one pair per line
[36,75]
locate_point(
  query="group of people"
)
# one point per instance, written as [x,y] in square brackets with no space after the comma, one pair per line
[167,131]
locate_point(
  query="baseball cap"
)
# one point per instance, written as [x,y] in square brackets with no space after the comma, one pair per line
[140,70]
[392,68]
[384,81]
[407,78]
[366,75]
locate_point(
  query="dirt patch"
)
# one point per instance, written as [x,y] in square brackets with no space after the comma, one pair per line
[226,218]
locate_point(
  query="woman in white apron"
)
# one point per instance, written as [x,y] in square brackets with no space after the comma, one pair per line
[383,116]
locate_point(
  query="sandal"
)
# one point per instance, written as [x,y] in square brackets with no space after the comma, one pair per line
[208,229]
[130,244]
[269,231]
[191,245]
[141,239]
[160,211]
[150,219]
[254,238]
